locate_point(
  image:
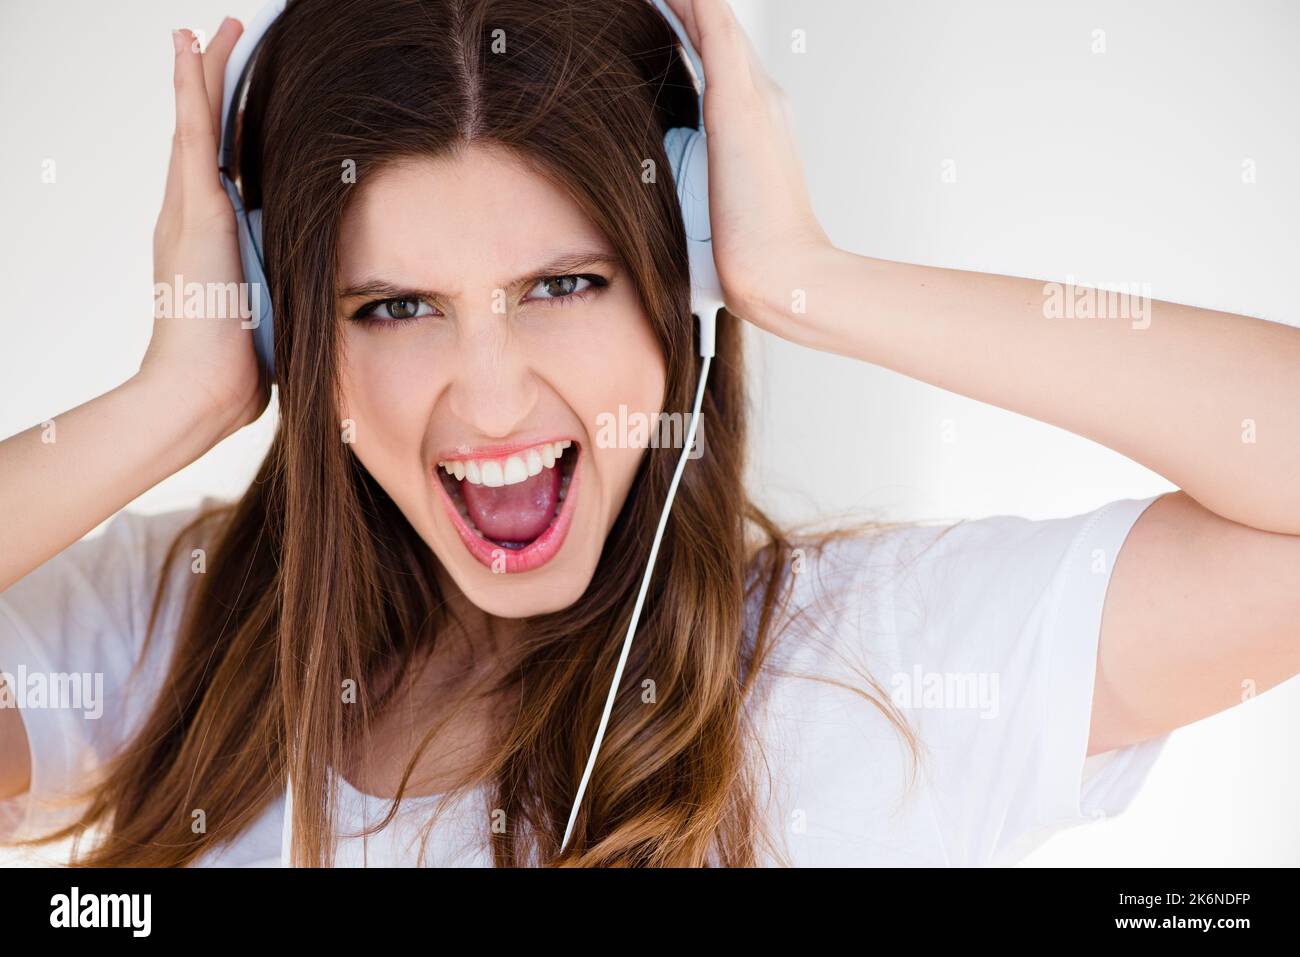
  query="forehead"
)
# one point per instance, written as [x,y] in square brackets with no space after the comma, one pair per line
[478,214]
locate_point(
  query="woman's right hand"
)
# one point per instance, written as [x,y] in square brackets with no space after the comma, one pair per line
[209,361]
[199,380]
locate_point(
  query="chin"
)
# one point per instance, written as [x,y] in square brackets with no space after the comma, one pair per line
[554,587]
[502,598]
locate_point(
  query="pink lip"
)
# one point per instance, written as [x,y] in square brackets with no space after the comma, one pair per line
[539,552]
[463,453]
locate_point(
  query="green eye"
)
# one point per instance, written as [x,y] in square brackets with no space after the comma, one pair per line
[567,287]
[402,308]
[390,312]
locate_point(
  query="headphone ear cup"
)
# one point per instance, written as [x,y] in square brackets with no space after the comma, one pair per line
[250,254]
[688,154]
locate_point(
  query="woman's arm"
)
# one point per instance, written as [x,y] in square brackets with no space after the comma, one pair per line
[1202,613]
[1203,608]
[198,381]
[1209,400]
[62,478]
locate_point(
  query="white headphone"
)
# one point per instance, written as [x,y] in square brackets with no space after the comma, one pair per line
[687,153]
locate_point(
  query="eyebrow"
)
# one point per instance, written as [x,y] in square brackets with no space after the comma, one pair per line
[566,264]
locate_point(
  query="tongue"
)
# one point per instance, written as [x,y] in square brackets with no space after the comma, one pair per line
[514,513]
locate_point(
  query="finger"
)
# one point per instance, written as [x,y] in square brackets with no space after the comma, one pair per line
[721,43]
[685,11]
[193,142]
[173,168]
[214,66]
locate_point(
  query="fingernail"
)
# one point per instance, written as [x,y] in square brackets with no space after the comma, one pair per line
[178,41]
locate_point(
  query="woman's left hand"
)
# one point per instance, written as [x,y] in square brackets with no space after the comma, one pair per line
[765,236]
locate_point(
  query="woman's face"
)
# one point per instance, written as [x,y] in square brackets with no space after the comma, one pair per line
[500,328]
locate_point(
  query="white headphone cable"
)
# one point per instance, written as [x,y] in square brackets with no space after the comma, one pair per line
[640,598]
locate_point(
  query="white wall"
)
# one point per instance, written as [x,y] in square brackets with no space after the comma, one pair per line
[1122,166]
[89,86]
[1110,167]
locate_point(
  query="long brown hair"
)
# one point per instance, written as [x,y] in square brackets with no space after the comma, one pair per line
[316,579]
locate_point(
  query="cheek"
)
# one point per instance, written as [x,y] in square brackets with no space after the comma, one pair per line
[386,394]
[606,358]
[610,369]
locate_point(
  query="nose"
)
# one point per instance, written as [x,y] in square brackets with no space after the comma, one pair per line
[494,386]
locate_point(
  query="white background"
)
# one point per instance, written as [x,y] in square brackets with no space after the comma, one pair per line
[1110,167]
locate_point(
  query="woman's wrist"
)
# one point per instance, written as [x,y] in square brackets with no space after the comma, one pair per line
[815,298]
[197,417]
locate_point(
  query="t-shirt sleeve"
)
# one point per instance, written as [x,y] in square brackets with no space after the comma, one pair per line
[997,623]
[73,656]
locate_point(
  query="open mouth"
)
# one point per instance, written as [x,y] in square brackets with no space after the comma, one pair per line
[513,511]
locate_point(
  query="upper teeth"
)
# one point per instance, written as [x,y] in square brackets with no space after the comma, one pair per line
[508,471]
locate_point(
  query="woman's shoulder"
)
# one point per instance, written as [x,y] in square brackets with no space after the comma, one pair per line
[76,644]
[979,637]
[150,530]
[104,583]
[919,581]
[138,534]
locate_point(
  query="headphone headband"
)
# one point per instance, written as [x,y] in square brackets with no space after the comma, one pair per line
[692,57]
[237,68]
[244,53]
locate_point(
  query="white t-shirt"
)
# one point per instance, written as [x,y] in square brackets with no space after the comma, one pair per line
[984,633]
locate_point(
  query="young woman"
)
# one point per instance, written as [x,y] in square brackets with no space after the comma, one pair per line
[413,614]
